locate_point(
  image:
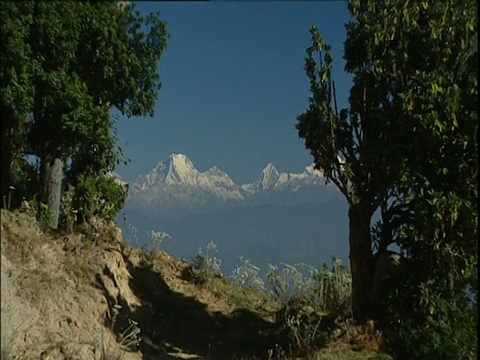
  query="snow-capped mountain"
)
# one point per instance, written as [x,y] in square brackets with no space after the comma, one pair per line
[272,179]
[267,179]
[279,217]
[175,187]
[179,171]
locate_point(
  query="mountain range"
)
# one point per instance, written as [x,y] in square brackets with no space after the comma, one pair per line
[175,189]
[279,217]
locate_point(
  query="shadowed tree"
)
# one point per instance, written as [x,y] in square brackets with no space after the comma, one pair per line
[355,150]
[398,124]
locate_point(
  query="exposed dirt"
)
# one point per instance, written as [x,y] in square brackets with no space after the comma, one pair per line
[88,295]
[83,295]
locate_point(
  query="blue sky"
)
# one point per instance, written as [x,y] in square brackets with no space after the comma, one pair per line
[233,84]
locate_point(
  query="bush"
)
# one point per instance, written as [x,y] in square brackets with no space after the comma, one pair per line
[326,290]
[311,301]
[247,275]
[332,289]
[205,265]
[426,324]
[100,196]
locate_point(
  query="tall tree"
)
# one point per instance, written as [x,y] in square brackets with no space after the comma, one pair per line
[16,89]
[435,70]
[355,150]
[371,149]
[87,58]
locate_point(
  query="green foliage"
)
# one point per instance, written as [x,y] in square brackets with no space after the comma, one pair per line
[25,178]
[64,67]
[347,144]
[438,327]
[311,299]
[333,289]
[406,145]
[361,148]
[427,51]
[44,216]
[306,332]
[99,196]
[16,90]
[290,281]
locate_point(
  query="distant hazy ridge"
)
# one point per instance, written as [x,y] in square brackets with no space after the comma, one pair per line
[280,217]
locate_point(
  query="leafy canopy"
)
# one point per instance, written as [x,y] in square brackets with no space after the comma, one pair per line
[65,66]
[407,147]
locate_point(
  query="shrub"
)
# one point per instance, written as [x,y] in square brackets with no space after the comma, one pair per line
[247,275]
[326,290]
[44,216]
[423,323]
[156,239]
[205,265]
[312,299]
[99,196]
[289,281]
[332,289]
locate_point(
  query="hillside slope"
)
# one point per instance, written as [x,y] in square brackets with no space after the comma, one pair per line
[88,295]
[75,296]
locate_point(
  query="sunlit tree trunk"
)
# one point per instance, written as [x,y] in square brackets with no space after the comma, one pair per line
[52,186]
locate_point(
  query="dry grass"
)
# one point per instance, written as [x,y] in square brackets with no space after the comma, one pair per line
[50,307]
[59,292]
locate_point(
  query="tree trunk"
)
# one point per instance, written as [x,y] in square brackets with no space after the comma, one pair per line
[52,186]
[360,261]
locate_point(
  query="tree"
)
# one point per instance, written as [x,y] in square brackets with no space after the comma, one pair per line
[373,151]
[16,90]
[86,59]
[436,72]
[354,150]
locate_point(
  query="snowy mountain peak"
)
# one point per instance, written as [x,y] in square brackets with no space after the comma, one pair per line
[176,186]
[270,169]
[180,159]
[181,170]
[178,168]
[269,176]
